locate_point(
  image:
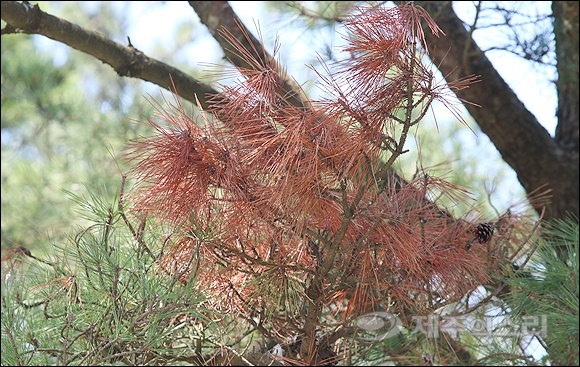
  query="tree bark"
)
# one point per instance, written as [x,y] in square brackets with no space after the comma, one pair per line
[566,35]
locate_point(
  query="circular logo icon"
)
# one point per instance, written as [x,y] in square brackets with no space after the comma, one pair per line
[378,326]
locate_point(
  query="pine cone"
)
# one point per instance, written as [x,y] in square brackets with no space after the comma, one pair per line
[483,232]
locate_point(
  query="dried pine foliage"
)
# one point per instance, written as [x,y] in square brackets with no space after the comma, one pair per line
[289,213]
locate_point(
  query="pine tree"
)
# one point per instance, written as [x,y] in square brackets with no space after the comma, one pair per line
[289,212]
[270,229]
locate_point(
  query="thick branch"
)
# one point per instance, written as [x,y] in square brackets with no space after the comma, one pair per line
[125,60]
[523,143]
[219,17]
